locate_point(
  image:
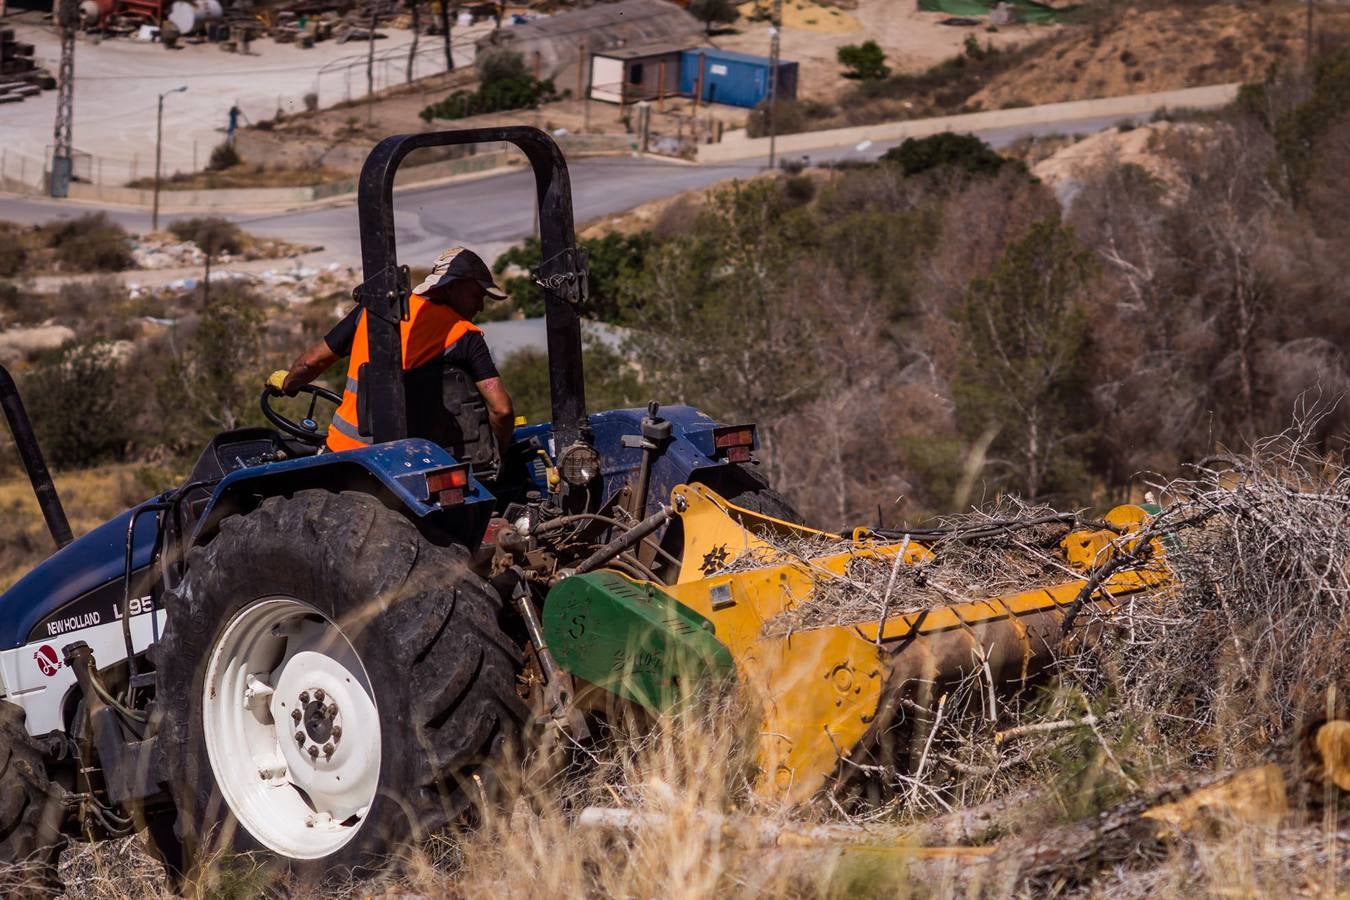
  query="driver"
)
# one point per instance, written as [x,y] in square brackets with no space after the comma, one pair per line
[440,324]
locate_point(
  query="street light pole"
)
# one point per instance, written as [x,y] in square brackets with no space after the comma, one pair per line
[159,134]
[774,29]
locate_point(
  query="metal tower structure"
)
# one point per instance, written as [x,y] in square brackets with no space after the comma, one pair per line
[67,12]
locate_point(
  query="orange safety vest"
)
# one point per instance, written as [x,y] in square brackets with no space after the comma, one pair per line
[429,330]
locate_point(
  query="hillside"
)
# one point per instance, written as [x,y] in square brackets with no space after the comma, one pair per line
[1134,50]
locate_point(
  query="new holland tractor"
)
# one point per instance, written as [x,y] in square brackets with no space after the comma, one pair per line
[316,657]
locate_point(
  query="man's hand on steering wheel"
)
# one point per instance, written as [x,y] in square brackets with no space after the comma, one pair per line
[306,430]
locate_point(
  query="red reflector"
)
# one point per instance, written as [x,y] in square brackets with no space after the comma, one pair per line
[738,436]
[444,479]
[452,497]
[738,454]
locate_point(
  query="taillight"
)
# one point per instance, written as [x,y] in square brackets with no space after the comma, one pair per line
[446,487]
[734,436]
[733,442]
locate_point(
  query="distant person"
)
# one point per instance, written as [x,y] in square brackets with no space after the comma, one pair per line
[235,113]
[448,370]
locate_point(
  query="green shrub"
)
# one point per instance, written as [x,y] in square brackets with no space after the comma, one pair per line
[500,96]
[90,243]
[212,234]
[211,383]
[611,381]
[13,251]
[960,151]
[81,415]
[501,65]
[713,12]
[865,61]
[799,189]
[223,156]
[611,259]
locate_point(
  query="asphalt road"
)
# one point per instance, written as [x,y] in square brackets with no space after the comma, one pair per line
[490,214]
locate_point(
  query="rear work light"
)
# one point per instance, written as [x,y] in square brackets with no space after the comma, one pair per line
[447,486]
[733,442]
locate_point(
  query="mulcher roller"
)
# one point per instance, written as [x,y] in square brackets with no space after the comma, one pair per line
[837,692]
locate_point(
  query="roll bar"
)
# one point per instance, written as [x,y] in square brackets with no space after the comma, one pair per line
[384,293]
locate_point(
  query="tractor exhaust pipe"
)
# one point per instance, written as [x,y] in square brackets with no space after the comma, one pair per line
[31,454]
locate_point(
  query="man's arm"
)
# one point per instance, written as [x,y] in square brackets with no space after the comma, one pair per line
[500,411]
[308,366]
[317,359]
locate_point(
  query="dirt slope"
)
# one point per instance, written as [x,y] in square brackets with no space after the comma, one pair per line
[1152,50]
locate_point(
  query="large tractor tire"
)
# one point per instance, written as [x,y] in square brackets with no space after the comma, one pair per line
[744,486]
[30,813]
[333,684]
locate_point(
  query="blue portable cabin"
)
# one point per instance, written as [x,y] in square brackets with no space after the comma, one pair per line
[736,79]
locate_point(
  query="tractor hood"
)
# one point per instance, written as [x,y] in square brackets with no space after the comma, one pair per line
[79,581]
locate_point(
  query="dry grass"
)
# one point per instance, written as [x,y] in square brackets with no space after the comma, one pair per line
[90,496]
[1224,670]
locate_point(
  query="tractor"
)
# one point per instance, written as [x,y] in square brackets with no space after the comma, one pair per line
[314,657]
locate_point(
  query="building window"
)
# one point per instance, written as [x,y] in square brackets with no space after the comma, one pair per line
[635,73]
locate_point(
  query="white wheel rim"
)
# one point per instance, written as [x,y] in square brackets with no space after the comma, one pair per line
[301,785]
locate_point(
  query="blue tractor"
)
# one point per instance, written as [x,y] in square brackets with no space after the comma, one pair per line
[316,656]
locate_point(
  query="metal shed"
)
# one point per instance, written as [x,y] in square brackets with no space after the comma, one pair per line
[736,79]
[559,47]
[629,74]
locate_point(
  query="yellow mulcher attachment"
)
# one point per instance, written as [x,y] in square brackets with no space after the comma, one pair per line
[741,604]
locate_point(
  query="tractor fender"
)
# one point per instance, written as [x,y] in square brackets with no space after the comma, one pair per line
[395,472]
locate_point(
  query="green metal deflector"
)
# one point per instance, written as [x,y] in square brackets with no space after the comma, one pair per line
[632,639]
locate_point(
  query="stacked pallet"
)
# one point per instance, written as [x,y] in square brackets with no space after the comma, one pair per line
[20,76]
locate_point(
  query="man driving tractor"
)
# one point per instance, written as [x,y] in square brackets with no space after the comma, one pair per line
[448,370]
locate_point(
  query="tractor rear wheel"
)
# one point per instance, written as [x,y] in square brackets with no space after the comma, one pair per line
[744,486]
[30,812]
[333,684]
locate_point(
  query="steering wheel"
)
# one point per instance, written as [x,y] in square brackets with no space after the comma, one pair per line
[306,431]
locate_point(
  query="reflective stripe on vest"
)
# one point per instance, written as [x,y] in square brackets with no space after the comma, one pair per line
[429,330]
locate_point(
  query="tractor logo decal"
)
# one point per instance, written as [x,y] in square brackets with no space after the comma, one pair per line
[46,660]
[714,560]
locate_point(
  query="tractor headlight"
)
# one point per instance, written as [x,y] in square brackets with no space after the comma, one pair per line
[579,464]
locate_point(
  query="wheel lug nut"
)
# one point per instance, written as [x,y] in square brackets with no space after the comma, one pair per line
[318,694]
[300,738]
[313,751]
[295,715]
[337,732]
[328,749]
[304,696]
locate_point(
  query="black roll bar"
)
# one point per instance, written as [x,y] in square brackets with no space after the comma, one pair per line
[384,293]
[30,452]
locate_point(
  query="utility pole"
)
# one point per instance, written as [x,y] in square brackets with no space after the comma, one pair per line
[445,30]
[773,77]
[62,138]
[416,30]
[159,134]
[370,63]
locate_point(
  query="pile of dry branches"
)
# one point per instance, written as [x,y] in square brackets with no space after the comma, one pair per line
[1217,670]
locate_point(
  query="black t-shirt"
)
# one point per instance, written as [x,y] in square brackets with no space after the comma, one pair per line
[469,353]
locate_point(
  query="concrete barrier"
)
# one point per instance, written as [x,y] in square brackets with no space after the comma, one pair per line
[1124,107]
[498,156]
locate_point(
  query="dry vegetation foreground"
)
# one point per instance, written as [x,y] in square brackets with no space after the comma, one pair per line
[1184,752]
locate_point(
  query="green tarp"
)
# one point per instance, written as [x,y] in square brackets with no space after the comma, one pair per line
[1027,10]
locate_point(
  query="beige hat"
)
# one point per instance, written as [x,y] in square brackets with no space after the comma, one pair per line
[457,263]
